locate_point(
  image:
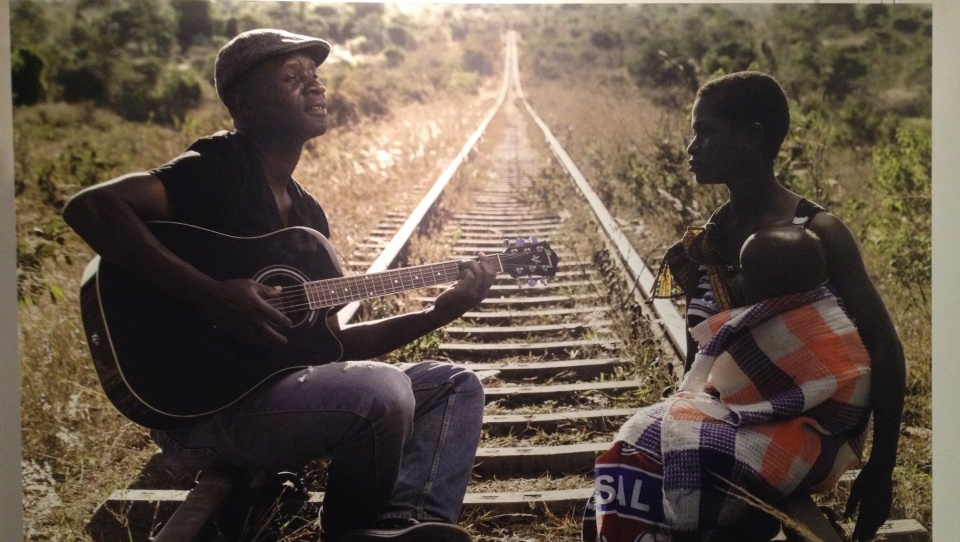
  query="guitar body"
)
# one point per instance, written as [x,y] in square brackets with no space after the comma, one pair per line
[163,365]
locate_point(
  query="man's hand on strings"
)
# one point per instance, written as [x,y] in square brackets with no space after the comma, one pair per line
[241,307]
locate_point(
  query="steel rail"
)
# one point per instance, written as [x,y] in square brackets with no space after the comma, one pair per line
[390,253]
[670,319]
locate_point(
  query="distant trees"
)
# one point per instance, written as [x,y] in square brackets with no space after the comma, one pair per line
[113,53]
[27,77]
[194,22]
[860,65]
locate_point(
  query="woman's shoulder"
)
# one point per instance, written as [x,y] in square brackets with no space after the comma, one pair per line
[806,210]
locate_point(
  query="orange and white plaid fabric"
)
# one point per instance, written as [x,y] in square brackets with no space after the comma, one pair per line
[776,401]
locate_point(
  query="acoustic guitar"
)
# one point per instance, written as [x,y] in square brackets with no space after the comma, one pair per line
[165,366]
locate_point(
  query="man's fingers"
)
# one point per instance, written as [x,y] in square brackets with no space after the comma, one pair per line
[275,337]
[272,313]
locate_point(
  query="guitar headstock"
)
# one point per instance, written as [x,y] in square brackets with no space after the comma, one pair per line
[530,259]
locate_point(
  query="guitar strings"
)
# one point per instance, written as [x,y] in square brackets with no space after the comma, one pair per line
[301,299]
[295,297]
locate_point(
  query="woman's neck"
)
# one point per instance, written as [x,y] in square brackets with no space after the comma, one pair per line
[757,195]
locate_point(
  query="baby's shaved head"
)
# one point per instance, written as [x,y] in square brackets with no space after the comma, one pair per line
[781,260]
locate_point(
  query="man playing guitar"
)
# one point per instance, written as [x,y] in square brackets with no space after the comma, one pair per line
[401,439]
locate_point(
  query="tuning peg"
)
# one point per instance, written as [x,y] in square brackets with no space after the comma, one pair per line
[544,280]
[519,285]
[533,240]
[519,242]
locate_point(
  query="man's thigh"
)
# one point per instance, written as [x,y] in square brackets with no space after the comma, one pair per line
[296,417]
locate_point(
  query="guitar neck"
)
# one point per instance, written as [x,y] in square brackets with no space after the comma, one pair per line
[332,292]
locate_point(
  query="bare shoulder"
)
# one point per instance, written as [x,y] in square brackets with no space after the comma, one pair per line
[838,241]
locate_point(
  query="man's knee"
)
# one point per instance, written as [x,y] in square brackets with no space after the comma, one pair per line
[428,373]
[384,389]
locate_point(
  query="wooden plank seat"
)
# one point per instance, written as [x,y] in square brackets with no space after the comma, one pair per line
[216,505]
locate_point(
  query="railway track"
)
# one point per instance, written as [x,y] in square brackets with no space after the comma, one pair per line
[557,364]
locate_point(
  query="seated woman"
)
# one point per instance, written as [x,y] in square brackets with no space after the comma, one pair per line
[775,401]
[765,406]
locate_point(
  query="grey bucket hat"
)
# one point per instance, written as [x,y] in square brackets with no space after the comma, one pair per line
[254,46]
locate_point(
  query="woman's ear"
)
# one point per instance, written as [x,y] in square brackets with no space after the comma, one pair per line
[753,135]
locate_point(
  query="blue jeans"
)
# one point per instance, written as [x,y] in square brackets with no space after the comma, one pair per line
[401,439]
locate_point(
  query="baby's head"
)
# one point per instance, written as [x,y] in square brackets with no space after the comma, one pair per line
[781,260]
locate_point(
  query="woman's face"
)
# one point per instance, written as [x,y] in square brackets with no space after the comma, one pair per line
[717,147]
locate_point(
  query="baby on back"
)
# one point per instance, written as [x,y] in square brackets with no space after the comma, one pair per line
[780,261]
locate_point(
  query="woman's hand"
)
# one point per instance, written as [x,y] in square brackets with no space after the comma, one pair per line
[872,493]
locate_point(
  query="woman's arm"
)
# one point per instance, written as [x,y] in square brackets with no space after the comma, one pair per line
[111,217]
[872,490]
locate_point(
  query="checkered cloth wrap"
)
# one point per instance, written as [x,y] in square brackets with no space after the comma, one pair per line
[776,401]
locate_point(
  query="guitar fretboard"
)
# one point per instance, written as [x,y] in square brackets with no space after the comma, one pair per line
[331,292]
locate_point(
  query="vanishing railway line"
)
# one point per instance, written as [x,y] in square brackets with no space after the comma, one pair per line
[550,355]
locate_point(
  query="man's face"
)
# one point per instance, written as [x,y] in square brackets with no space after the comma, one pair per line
[717,147]
[285,98]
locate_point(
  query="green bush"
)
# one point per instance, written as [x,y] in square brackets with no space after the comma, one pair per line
[478,61]
[800,164]
[902,232]
[394,56]
[26,75]
[83,76]
[177,93]
[663,68]
[605,40]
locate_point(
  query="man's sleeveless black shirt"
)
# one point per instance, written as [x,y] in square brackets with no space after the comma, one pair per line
[218,184]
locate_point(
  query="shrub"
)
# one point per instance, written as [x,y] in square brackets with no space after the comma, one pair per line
[394,57]
[477,61]
[178,92]
[341,110]
[902,233]
[800,164]
[83,77]
[605,40]
[27,77]
[660,69]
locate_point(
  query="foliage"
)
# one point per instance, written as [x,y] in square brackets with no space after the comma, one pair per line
[801,164]
[478,60]
[27,81]
[661,66]
[902,232]
[195,23]
[394,56]
[605,40]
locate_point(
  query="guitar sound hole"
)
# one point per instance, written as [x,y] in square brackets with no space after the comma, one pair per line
[293,301]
